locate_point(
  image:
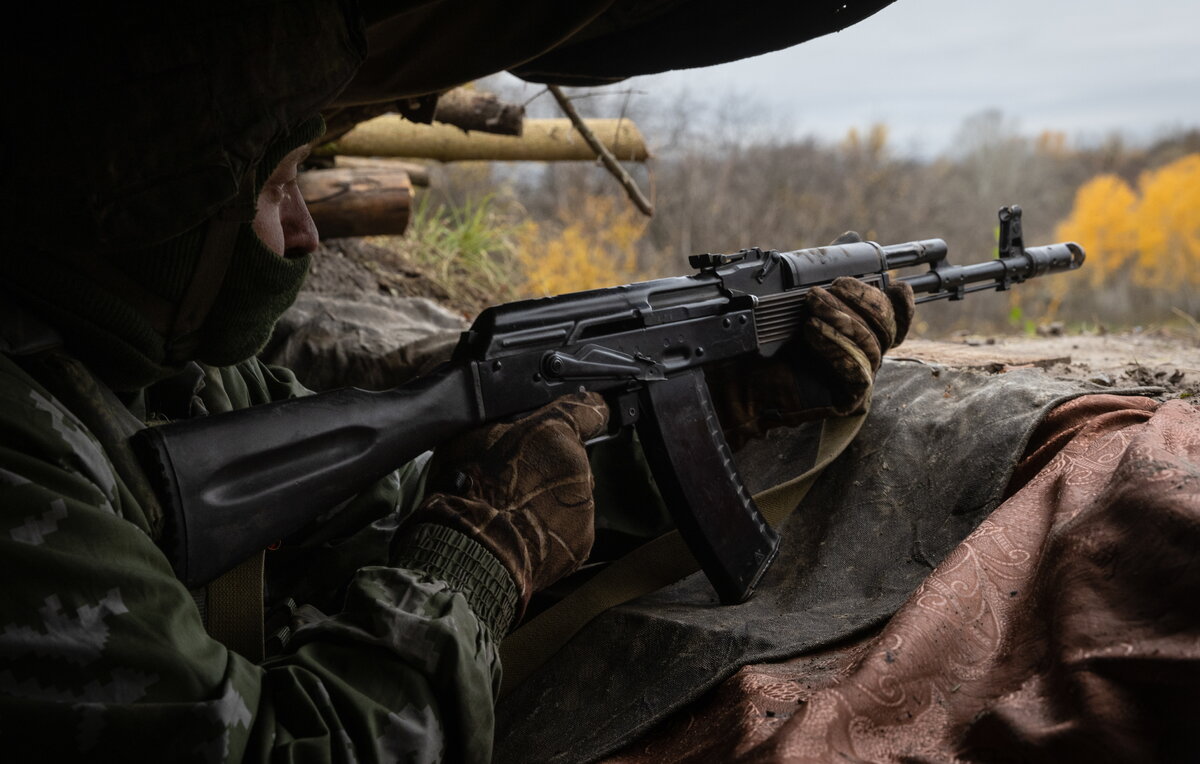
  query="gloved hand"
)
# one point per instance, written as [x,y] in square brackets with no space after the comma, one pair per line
[849,327]
[522,490]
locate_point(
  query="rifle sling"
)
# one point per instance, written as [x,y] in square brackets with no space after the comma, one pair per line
[657,563]
[234,608]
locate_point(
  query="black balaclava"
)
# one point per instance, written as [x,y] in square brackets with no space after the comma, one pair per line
[132,163]
[118,315]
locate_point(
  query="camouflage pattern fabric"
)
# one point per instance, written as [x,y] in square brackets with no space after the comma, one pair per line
[103,654]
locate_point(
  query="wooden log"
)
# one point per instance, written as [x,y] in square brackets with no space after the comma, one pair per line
[357,201]
[543,140]
[465,108]
[418,174]
[483,112]
[342,120]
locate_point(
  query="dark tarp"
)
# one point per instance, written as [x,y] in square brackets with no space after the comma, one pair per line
[437,45]
[1059,630]
[634,38]
[931,462]
[126,128]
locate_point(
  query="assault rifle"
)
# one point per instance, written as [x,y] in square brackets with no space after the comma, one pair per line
[231,484]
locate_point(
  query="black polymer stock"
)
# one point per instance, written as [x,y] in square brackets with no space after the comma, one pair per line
[233,483]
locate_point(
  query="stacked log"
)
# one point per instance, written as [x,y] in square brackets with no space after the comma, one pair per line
[482,112]
[369,192]
[465,108]
[358,201]
[418,174]
[543,140]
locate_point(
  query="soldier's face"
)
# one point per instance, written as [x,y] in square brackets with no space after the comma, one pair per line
[281,219]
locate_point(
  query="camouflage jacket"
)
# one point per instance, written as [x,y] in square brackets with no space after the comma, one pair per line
[103,654]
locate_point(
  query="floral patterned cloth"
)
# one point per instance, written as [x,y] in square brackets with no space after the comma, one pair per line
[1064,628]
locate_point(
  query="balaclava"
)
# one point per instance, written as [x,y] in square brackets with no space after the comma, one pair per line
[119,316]
[136,148]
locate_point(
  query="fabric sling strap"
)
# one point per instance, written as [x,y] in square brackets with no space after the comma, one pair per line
[234,608]
[655,564]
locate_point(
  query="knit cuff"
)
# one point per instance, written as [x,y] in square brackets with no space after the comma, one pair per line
[468,567]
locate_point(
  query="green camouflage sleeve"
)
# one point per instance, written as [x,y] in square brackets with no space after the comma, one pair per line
[103,655]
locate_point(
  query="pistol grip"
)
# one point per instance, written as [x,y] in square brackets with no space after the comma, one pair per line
[694,470]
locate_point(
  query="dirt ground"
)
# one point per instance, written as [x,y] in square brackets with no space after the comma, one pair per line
[1170,360]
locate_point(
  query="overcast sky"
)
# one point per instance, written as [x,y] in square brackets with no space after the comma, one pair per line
[1085,67]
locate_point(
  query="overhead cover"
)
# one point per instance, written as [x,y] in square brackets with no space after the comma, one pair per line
[437,45]
[127,128]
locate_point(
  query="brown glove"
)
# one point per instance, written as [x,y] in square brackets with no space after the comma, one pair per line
[522,490]
[827,371]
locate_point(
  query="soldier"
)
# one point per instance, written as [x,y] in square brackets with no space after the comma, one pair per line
[146,267]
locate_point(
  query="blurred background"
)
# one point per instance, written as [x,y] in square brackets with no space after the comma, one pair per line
[920,122]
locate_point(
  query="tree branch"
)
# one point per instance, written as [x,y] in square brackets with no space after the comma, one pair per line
[602,152]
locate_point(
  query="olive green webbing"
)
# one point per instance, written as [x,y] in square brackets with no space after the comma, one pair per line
[234,608]
[650,567]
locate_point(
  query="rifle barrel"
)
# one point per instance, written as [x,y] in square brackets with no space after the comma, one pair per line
[951,281]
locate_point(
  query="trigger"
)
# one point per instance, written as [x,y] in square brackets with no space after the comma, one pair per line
[624,413]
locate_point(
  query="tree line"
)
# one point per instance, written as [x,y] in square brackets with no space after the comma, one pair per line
[718,187]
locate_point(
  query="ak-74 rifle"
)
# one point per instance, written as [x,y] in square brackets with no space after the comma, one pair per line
[232,483]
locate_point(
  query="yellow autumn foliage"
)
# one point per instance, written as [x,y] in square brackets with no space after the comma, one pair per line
[1051,143]
[591,244]
[873,144]
[1152,233]
[1102,220]
[1168,225]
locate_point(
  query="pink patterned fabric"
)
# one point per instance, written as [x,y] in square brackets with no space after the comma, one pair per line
[1065,628]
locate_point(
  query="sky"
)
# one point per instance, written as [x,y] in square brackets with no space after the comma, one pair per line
[1088,68]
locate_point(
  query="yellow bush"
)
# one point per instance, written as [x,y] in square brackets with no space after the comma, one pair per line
[592,244]
[1155,231]
[1103,221]
[1168,225]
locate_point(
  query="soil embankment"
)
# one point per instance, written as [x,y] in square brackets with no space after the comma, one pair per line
[1163,359]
